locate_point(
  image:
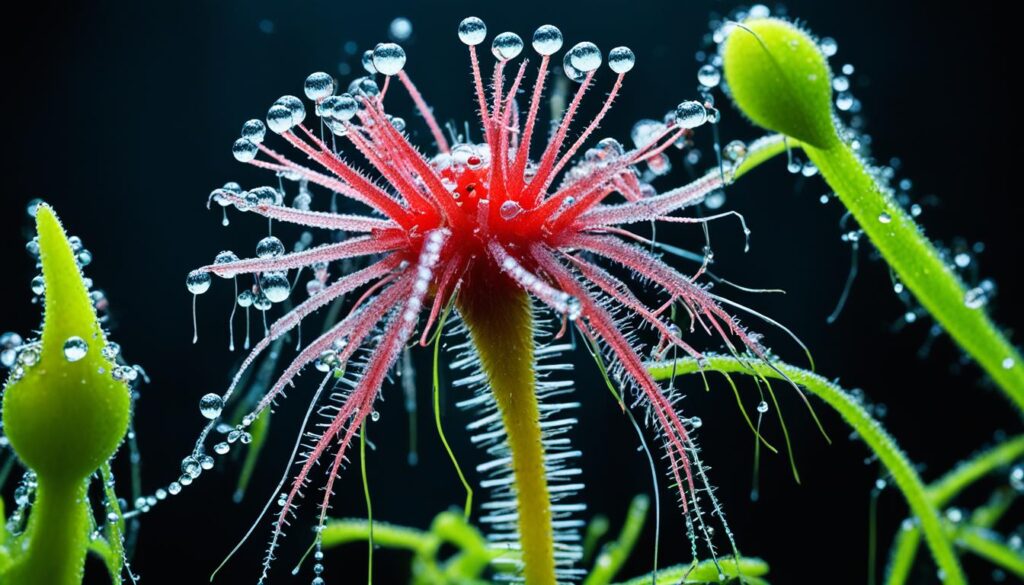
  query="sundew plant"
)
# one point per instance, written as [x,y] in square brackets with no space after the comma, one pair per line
[507,248]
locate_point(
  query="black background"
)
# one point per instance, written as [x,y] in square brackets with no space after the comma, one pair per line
[122,115]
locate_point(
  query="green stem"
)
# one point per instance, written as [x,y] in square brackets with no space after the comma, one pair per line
[615,554]
[990,546]
[869,430]
[501,327]
[945,489]
[710,571]
[59,531]
[941,492]
[919,266]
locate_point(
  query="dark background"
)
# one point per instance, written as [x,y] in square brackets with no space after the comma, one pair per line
[122,115]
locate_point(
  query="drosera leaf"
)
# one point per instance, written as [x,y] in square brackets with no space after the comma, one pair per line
[65,414]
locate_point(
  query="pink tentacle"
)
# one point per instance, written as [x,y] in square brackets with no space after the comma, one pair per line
[543,177]
[651,207]
[317,219]
[425,111]
[605,328]
[621,293]
[361,246]
[522,154]
[590,127]
[558,300]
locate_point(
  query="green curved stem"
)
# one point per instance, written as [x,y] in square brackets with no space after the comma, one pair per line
[990,546]
[615,554]
[941,492]
[781,80]
[869,430]
[920,267]
[750,569]
[464,567]
[945,489]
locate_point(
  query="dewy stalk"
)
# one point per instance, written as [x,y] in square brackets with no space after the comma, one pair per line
[781,80]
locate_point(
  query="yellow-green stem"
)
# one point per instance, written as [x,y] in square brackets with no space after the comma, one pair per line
[501,327]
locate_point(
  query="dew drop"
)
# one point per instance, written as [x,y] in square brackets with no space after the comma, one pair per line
[844,101]
[547,40]
[38,285]
[962,260]
[222,448]
[211,405]
[190,467]
[318,86]
[696,422]
[472,31]
[709,76]
[691,114]
[621,60]
[585,57]
[509,210]
[254,131]
[245,299]
[1007,363]
[244,150]
[762,407]
[388,58]
[75,349]
[374,416]
[206,462]
[735,151]
[279,118]
[32,207]
[828,46]
[198,281]
[269,247]
[884,218]
[975,298]
[275,286]
[174,489]
[506,46]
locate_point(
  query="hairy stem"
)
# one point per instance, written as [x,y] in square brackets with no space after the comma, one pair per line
[869,430]
[781,80]
[501,327]
[60,525]
[920,267]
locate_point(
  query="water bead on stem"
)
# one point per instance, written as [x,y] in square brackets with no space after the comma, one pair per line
[318,86]
[585,57]
[621,60]
[472,31]
[547,40]
[507,46]
[388,58]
